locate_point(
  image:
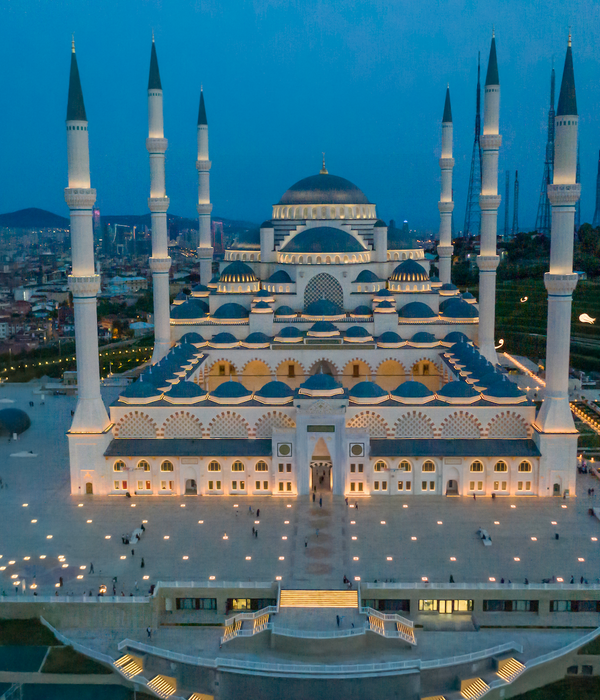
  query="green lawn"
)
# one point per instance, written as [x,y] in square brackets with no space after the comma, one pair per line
[67,660]
[591,648]
[29,632]
[566,689]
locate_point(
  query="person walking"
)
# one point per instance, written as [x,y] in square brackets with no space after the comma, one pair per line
[253,530]
[91,567]
[256,534]
[133,552]
[258,512]
[142,564]
[320,501]
[356,504]
[149,632]
[305,543]
[314,497]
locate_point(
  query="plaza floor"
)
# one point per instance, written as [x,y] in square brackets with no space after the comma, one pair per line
[46,533]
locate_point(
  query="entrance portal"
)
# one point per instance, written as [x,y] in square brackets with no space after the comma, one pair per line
[320,468]
[452,487]
[556,490]
[89,488]
[190,488]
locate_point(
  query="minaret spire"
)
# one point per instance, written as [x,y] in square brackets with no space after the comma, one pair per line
[205,250]
[473,213]
[323,170]
[90,414]
[557,434]
[489,201]
[158,203]
[446,203]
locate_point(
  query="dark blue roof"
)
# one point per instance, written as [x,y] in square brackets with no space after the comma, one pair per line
[449,287]
[262,293]
[267,224]
[323,307]
[261,305]
[75,106]
[385,305]
[384,293]
[423,337]
[362,311]
[290,332]
[323,239]
[200,288]
[181,447]
[190,309]
[181,297]
[567,100]
[457,390]
[367,276]
[320,382]
[416,309]
[280,276]
[231,311]
[461,447]
[412,390]
[257,338]
[192,338]
[285,311]
[230,390]
[409,271]
[356,332]
[186,390]
[456,337]
[380,224]
[467,295]
[390,337]
[202,121]
[275,390]
[491,77]
[154,76]
[141,390]
[323,189]
[323,327]
[490,378]
[237,271]
[503,389]
[447,116]
[223,339]
[367,390]
[459,308]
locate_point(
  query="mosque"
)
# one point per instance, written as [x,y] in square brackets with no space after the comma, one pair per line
[327,352]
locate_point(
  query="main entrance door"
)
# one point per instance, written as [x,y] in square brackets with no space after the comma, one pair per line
[320,468]
[89,488]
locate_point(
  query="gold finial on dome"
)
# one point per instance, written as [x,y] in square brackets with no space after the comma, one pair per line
[323,170]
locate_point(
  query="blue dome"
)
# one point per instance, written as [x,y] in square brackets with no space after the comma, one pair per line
[384,293]
[409,271]
[223,339]
[490,378]
[367,276]
[285,311]
[385,305]
[186,390]
[231,311]
[323,307]
[190,309]
[258,338]
[323,239]
[380,224]
[423,337]
[263,294]
[416,309]
[275,390]
[356,332]
[434,279]
[367,390]
[237,271]
[181,297]
[230,390]
[504,389]
[321,382]
[467,295]
[141,390]
[459,308]
[280,276]
[448,287]
[261,305]
[192,338]
[457,390]
[200,288]
[456,337]
[323,327]
[290,332]
[267,224]
[412,390]
[362,311]
[323,189]
[390,338]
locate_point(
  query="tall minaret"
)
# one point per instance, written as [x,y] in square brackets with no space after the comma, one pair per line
[489,201]
[446,205]
[84,283]
[204,207]
[555,414]
[158,203]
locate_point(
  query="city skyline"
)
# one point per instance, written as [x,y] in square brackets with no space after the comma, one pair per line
[270,121]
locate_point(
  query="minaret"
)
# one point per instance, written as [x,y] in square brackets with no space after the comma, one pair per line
[555,414]
[84,283]
[204,207]
[158,203]
[489,201]
[446,205]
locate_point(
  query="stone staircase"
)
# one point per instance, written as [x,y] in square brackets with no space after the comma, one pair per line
[163,686]
[509,669]
[129,666]
[318,599]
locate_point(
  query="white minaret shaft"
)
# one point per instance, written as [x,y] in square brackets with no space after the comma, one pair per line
[489,201]
[555,414]
[204,207]
[158,203]
[84,283]
[446,203]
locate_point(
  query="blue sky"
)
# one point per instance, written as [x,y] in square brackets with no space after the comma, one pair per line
[362,80]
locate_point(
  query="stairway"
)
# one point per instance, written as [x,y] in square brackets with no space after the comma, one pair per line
[162,686]
[318,599]
[473,688]
[509,669]
[129,666]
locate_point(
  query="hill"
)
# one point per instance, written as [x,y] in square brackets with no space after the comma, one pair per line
[33,218]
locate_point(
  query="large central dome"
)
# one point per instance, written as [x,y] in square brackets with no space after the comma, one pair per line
[324,189]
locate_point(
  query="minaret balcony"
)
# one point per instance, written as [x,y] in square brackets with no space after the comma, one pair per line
[87,286]
[78,198]
[487,263]
[154,145]
[564,195]
[204,209]
[203,165]
[160,265]
[446,207]
[158,204]
[490,142]
[560,285]
[489,202]
[446,163]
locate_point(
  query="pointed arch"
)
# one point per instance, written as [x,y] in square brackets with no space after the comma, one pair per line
[461,425]
[182,424]
[372,422]
[228,424]
[414,425]
[273,419]
[508,425]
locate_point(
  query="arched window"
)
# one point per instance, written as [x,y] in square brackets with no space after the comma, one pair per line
[237,466]
[166,466]
[119,465]
[214,466]
[501,466]
[261,466]
[476,466]
[524,467]
[405,465]
[142,464]
[428,466]
[380,466]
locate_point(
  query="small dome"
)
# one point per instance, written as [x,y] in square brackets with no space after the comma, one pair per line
[384,306]
[323,329]
[323,307]
[323,239]
[180,297]
[356,332]
[416,310]
[368,392]
[367,276]
[257,340]
[458,390]
[200,289]
[504,391]
[237,271]
[190,309]
[290,332]
[267,224]
[280,276]
[412,390]
[390,339]
[188,392]
[458,308]
[263,294]
[489,379]
[193,338]
[144,390]
[456,337]
[362,311]
[231,390]
[285,311]
[448,287]
[467,296]
[323,189]
[321,385]
[274,390]
[230,311]
[434,279]
[384,293]
[223,339]
[261,306]
[409,271]
[380,224]
[423,338]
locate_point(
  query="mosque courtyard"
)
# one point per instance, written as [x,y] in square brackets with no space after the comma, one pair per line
[48,534]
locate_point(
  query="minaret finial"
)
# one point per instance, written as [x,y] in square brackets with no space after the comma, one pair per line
[72,43]
[152,35]
[493,31]
[323,169]
[569,44]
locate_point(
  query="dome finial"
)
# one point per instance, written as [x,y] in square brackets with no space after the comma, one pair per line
[323,170]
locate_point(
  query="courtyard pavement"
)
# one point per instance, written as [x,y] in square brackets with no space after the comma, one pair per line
[401,539]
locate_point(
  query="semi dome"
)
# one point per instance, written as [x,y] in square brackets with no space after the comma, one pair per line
[285,311]
[274,392]
[368,393]
[323,239]
[323,307]
[412,392]
[361,311]
[458,308]
[456,337]
[323,329]
[237,271]
[416,310]
[189,310]
[140,392]
[230,392]
[366,276]
[423,338]
[504,391]
[230,312]
[194,339]
[280,276]
[409,271]
[289,334]
[324,189]
[357,334]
